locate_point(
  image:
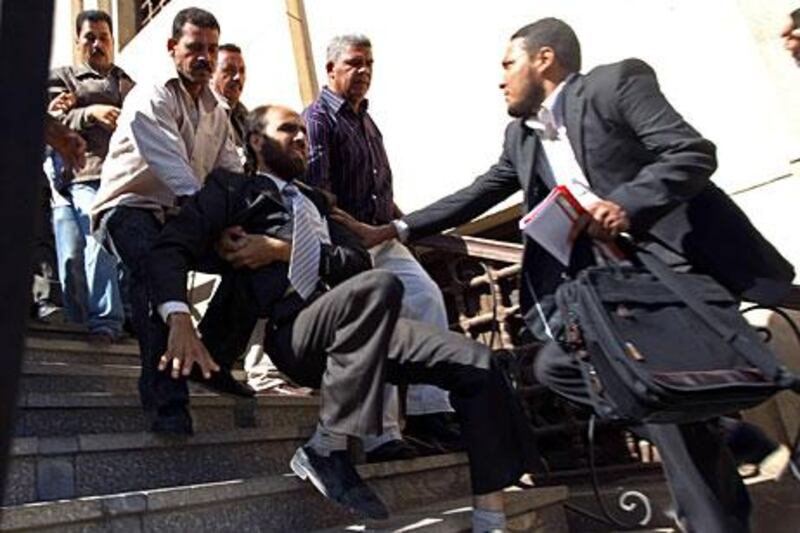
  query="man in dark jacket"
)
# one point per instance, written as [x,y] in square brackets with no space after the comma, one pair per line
[612,134]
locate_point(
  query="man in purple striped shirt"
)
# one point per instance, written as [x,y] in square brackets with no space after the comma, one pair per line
[347,157]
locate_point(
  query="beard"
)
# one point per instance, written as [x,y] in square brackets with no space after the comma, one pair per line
[529,104]
[284,164]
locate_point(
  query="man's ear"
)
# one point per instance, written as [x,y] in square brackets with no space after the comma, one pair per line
[545,58]
[329,67]
[255,141]
[171,44]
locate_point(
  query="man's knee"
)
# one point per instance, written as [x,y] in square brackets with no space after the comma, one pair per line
[384,285]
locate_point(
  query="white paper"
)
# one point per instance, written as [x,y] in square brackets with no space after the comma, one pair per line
[550,223]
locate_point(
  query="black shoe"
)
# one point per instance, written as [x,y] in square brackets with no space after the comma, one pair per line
[336,478]
[438,432]
[222,382]
[173,420]
[394,450]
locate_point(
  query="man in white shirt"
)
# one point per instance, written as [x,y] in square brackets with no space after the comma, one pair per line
[169,136]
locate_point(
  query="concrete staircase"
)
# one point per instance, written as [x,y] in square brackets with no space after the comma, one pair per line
[82,460]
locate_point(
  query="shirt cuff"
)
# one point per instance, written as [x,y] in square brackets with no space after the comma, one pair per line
[173,306]
[401,228]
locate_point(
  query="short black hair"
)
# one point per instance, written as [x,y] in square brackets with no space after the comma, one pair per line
[230,47]
[193,15]
[556,34]
[795,17]
[93,15]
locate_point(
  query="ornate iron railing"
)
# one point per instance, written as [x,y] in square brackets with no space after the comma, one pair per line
[480,282]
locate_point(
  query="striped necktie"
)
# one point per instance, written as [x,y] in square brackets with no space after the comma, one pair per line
[304,262]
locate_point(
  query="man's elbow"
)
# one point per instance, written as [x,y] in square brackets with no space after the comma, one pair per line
[707,152]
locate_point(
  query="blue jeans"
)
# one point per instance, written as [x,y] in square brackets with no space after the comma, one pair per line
[87,272]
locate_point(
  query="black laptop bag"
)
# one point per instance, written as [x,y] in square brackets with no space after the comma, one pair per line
[658,346]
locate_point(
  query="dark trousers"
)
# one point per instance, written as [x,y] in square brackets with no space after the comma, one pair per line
[701,473]
[46,288]
[349,341]
[130,233]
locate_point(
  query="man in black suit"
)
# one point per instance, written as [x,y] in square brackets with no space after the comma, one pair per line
[612,134]
[333,327]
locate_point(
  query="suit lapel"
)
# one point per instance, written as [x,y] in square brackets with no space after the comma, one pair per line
[574,108]
[527,156]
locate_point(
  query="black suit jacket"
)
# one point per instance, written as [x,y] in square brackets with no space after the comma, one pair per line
[638,152]
[253,202]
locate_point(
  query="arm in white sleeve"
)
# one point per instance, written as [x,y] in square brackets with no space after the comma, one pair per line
[228,157]
[167,308]
[157,134]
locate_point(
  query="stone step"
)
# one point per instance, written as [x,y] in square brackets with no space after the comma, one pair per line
[537,510]
[68,376]
[68,414]
[270,503]
[776,505]
[84,465]
[79,350]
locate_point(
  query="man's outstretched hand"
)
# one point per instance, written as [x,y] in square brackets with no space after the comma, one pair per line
[184,349]
[370,235]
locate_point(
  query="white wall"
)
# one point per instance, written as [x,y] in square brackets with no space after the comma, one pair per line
[435,95]
[63,34]
[259,27]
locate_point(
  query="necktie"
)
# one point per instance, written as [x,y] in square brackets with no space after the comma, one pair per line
[304,262]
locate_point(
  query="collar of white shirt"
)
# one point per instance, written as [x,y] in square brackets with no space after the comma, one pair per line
[549,119]
[207,97]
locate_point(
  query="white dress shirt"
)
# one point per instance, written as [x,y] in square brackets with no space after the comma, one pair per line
[165,145]
[558,163]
